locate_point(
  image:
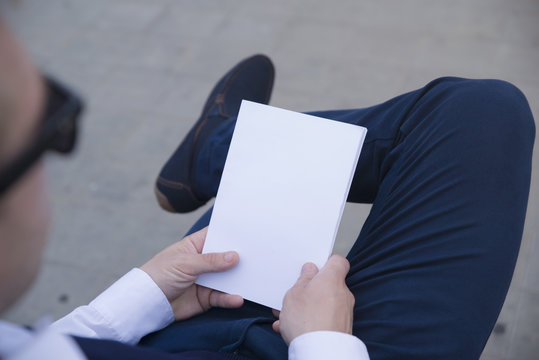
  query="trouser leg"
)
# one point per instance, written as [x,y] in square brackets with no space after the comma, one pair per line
[432,265]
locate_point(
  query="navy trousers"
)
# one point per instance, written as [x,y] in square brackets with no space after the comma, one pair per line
[447,169]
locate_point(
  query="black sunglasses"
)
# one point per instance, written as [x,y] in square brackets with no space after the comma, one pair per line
[57,131]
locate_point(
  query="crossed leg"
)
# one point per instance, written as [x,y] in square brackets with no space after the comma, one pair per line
[447,168]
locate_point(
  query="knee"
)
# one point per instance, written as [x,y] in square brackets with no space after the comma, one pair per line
[484,107]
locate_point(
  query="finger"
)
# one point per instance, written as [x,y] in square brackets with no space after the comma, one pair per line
[211,262]
[276,313]
[336,265]
[198,238]
[308,271]
[222,300]
[276,326]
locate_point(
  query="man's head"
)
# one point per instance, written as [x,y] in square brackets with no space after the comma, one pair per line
[24,210]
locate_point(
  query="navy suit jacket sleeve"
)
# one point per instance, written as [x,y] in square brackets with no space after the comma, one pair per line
[96,349]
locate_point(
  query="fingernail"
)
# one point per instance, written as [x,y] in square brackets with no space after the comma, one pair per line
[230,256]
[309,268]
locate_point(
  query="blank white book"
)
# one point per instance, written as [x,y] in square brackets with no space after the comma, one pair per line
[281,198]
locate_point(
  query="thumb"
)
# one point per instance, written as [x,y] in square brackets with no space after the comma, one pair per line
[308,272]
[213,262]
[336,265]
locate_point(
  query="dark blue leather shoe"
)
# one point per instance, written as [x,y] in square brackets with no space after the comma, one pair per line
[251,79]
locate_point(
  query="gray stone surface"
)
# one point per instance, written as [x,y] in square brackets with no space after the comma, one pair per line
[145,69]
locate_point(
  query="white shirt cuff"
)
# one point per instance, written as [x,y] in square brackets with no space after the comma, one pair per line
[327,345]
[130,308]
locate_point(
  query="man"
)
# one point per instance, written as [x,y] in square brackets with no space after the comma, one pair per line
[447,168]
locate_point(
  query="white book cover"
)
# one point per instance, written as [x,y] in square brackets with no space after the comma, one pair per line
[280,200]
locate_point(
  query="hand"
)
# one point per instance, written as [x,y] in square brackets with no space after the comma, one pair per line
[176,268]
[320,300]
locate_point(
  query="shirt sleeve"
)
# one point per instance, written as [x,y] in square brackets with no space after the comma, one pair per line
[327,345]
[129,309]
